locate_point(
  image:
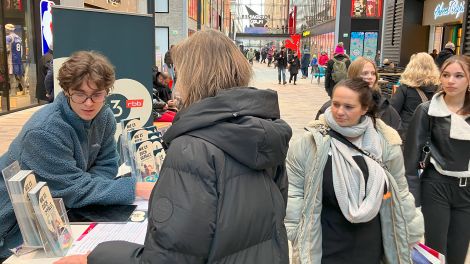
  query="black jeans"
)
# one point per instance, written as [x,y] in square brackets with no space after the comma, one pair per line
[293,75]
[446,211]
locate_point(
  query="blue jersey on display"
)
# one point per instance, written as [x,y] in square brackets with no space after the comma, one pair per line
[16,52]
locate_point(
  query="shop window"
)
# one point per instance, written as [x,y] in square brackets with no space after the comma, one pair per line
[161,45]
[438,34]
[192,9]
[366,8]
[18,72]
[161,6]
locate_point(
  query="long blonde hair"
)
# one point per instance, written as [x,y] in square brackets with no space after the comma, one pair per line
[355,70]
[420,71]
[206,63]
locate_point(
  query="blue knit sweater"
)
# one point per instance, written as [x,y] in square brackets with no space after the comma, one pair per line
[77,159]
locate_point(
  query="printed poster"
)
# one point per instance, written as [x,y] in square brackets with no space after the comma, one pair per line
[370,45]
[357,44]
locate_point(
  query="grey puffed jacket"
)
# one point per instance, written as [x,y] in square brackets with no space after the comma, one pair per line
[402,224]
[222,192]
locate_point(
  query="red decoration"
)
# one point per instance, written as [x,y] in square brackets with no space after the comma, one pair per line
[294,44]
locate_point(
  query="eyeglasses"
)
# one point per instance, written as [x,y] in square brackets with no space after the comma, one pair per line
[81,98]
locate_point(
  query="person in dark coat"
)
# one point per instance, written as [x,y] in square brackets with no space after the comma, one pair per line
[420,78]
[447,52]
[222,192]
[304,63]
[162,90]
[49,81]
[339,55]
[42,66]
[294,64]
[281,59]
[366,69]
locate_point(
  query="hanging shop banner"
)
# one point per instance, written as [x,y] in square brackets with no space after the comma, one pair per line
[439,12]
[127,40]
[366,8]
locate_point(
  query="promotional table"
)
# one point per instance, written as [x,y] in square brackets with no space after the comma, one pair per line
[39,256]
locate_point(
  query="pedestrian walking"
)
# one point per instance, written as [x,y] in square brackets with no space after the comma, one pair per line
[304,63]
[348,196]
[281,61]
[438,143]
[294,64]
[418,83]
[336,68]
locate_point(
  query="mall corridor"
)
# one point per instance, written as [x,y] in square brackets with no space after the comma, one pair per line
[299,103]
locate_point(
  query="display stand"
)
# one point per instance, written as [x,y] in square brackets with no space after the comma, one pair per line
[53,234]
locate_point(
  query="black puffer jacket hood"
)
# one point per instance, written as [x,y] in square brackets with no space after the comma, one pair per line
[244,122]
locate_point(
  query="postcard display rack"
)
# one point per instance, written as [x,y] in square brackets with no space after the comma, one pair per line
[142,149]
[42,220]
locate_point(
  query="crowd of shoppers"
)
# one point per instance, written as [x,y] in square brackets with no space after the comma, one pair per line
[365,182]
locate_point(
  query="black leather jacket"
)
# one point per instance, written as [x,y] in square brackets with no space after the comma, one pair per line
[450,154]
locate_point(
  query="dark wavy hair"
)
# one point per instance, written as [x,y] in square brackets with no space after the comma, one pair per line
[366,98]
[86,66]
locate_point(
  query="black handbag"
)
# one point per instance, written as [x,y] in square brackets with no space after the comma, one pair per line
[426,151]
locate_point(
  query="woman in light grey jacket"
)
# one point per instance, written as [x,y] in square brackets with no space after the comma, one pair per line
[344,205]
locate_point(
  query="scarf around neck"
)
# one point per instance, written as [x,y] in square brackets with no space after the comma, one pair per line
[359,201]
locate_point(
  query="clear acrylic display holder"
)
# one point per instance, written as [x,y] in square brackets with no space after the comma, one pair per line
[64,231]
[59,245]
[30,237]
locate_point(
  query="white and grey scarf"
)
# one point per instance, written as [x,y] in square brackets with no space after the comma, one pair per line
[359,202]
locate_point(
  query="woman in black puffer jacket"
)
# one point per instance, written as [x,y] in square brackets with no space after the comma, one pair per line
[419,82]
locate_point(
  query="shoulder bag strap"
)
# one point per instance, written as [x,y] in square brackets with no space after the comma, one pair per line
[348,143]
[422,95]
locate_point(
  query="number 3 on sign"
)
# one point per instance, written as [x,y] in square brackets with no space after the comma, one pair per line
[116,106]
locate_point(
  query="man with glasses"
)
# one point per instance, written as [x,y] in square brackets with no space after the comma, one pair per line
[70,145]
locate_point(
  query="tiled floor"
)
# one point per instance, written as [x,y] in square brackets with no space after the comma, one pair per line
[10,126]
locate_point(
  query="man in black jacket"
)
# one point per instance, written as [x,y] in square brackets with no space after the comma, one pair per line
[447,52]
[281,59]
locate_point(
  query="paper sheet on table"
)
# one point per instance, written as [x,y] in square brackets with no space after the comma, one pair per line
[142,204]
[98,233]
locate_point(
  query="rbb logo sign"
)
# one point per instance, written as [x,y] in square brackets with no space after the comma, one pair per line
[118,102]
[134,103]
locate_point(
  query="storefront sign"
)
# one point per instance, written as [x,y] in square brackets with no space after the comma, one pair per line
[454,8]
[439,12]
[46,25]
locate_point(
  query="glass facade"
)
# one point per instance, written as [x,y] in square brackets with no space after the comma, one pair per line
[312,13]
[324,42]
[17,56]
[260,16]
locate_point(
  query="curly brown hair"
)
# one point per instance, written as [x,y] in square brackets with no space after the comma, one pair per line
[86,66]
